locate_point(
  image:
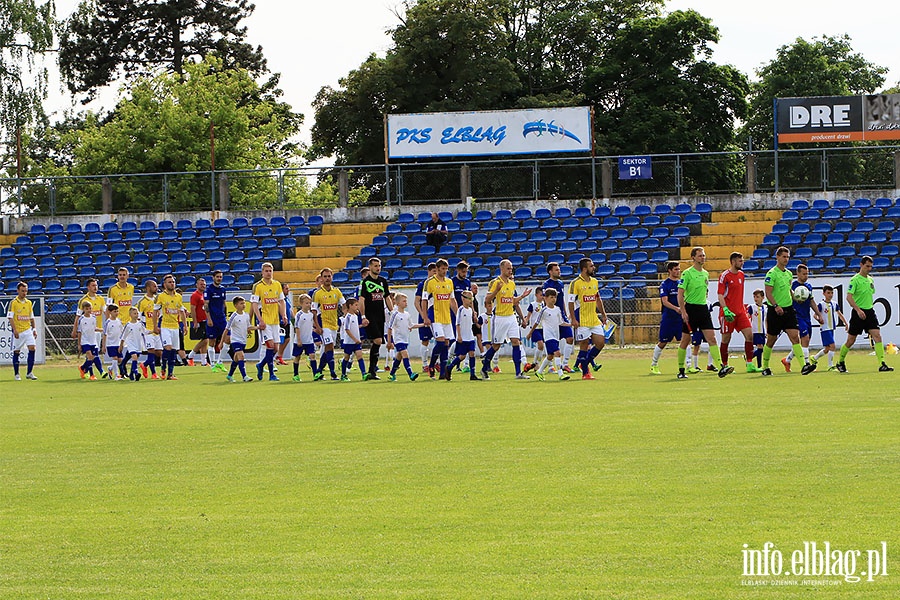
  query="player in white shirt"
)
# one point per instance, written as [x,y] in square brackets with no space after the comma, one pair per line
[131,342]
[86,332]
[303,335]
[550,318]
[535,331]
[112,338]
[465,336]
[757,312]
[351,342]
[831,316]
[236,335]
[398,337]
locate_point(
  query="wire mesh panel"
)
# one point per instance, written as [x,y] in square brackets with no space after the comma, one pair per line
[505,181]
[565,180]
[713,174]
[428,184]
[863,168]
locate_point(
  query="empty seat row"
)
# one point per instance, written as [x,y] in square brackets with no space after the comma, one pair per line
[560,213]
[843,204]
[184,224]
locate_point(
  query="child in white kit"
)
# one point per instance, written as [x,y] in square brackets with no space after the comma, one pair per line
[303,330]
[550,317]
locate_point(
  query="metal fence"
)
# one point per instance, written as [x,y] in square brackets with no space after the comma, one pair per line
[825,169]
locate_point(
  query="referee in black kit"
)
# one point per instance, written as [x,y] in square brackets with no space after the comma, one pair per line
[374,294]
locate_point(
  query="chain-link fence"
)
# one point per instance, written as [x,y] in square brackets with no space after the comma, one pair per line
[873,167]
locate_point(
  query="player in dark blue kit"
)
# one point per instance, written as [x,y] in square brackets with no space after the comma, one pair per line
[804,322]
[565,330]
[216,321]
[461,283]
[670,325]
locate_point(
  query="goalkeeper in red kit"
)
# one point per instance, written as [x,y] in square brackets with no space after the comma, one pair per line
[733,311]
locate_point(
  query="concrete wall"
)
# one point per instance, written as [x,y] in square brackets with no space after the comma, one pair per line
[15,225]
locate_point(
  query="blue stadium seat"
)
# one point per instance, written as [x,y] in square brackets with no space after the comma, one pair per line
[890,250]
[671,242]
[602,211]
[885,226]
[691,219]
[884,203]
[799,205]
[790,215]
[293,221]
[751,266]
[824,252]
[562,213]
[631,221]
[821,204]
[856,237]
[811,215]
[542,213]
[582,212]
[813,239]
[862,203]
[802,253]
[662,209]
[618,234]
[865,226]
[622,211]
[867,250]
[642,210]
[522,214]
[852,213]
[792,239]
[841,204]
[629,244]
[846,252]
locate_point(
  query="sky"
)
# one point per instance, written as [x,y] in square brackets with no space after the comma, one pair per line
[313,44]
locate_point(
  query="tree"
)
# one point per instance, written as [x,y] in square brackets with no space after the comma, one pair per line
[163,126]
[104,37]
[26,33]
[826,66]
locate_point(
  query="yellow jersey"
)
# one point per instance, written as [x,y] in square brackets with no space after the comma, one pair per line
[146,306]
[584,293]
[442,292]
[121,297]
[98,307]
[504,298]
[326,303]
[21,314]
[268,296]
[170,307]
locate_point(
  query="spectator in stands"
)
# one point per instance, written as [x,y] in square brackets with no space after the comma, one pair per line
[436,231]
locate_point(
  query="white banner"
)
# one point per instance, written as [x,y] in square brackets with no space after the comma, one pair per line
[887,305]
[6,337]
[529,131]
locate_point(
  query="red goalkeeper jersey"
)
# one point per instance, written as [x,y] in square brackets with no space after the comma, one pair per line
[731,286]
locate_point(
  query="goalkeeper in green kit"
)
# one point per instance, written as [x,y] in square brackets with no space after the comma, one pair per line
[780,316]
[860,296]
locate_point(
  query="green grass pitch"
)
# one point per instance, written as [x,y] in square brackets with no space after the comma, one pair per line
[631,486]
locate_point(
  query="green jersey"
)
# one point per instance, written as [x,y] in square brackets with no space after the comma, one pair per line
[780,282]
[695,285]
[862,288]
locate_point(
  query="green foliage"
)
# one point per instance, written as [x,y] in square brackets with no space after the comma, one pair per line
[826,66]
[26,34]
[104,38]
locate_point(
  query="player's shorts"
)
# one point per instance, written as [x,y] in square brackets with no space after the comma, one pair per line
[804,326]
[129,351]
[199,332]
[565,332]
[271,333]
[551,346]
[857,325]
[85,348]
[328,336]
[696,337]
[376,326]
[235,347]
[776,324]
[586,333]
[740,323]
[668,330]
[699,318]
[170,337]
[463,348]
[476,329]
[113,352]
[827,336]
[503,328]
[759,339]
[152,341]
[537,335]
[425,333]
[350,348]
[442,330]
[216,330]
[400,346]
[300,350]
[25,339]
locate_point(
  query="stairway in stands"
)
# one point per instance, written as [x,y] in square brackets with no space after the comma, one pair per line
[333,248]
[728,231]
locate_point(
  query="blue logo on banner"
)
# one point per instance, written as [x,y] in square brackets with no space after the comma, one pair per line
[635,167]
[539,127]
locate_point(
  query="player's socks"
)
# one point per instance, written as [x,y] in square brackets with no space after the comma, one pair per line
[211,356]
[297,368]
[695,361]
[844,352]
[454,363]
[657,353]
[766,357]
[716,356]
[543,365]
[98,364]
[471,366]
[424,351]
[374,352]
[830,358]
[749,349]
[407,366]
[517,358]
[797,349]
[362,366]
[232,368]
[791,355]
[242,368]
[344,366]
[31,354]
[806,355]
[758,354]
[723,352]
[582,361]
[486,361]
[173,358]
[879,354]
[682,357]
[395,366]
[593,353]
[312,364]
[567,351]
[445,355]
[820,354]
[435,354]
[15,362]
[270,360]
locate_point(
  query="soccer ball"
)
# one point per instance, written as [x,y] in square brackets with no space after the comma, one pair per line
[800,294]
